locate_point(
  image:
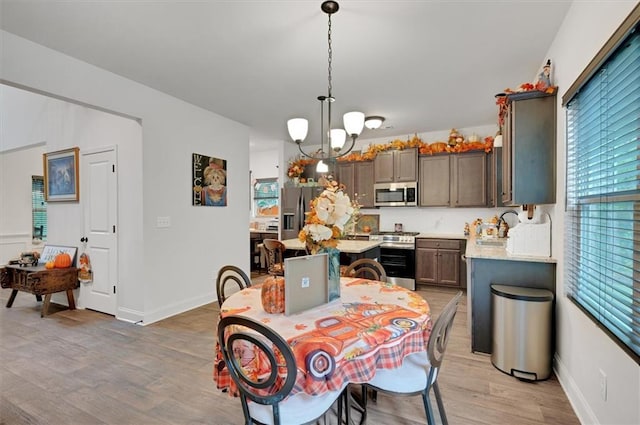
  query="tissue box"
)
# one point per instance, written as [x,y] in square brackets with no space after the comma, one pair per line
[530,239]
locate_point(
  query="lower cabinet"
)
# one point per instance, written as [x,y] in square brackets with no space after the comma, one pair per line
[438,262]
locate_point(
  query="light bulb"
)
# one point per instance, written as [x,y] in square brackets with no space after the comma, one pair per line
[298,128]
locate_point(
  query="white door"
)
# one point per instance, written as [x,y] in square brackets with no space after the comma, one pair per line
[100,201]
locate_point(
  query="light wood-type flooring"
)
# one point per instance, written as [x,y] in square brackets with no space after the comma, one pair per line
[83,367]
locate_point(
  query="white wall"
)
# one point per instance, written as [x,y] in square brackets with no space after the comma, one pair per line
[16,222]
[175,266]
[582,349]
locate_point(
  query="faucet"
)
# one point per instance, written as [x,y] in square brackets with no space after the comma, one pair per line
[501,218]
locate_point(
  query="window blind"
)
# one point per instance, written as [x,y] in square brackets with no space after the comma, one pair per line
[38,208]
[602,272]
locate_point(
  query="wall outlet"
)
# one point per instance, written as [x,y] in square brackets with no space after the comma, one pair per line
[163,221]
[603,385]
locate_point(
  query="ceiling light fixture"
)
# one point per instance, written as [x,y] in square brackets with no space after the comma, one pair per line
[335,138]
[373,122]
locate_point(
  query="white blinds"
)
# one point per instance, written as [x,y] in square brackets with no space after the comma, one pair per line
[603,196]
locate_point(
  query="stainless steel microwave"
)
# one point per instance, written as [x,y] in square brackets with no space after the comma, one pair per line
[403,194]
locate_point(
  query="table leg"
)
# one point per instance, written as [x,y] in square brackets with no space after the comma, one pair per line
[12,298]
[70,300]
[45,305]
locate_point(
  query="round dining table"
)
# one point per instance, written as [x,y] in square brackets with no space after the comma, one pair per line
[373,325]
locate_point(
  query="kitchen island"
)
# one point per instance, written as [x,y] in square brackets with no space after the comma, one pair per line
[350,250]
[492,264]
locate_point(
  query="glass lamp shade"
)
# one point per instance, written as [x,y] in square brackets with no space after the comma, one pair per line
[338,137]
[322,167]
[298,128]
[353,123]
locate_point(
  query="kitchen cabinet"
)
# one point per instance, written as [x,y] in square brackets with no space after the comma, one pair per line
[396,166]
[453,180]
[529,149]
[438,262]
[484,272]
[358,179]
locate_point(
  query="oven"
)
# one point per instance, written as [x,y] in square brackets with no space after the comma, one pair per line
[398,257]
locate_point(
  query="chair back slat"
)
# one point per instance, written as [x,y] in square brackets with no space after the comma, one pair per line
[275,256]
[367,268]
[238,334]
[440,333]
[229,274]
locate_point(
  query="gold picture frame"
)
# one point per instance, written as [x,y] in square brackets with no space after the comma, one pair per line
[61,175]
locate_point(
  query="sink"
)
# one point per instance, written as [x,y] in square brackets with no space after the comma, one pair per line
[491,242]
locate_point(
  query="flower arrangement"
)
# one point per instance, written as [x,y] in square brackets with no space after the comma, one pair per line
[296,167]
[330,213]
[460,145]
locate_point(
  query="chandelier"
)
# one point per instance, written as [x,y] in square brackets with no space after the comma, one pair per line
[333,139]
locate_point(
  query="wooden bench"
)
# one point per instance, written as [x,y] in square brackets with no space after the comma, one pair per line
[39,281]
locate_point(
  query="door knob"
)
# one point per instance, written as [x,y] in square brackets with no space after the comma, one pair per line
[83,239]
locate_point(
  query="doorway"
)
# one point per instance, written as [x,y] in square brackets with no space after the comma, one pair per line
[100,239]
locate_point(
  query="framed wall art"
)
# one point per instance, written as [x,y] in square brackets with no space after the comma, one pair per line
[209,181]
[61,176]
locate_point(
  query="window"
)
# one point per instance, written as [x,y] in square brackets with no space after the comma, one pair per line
[38,208]
[265,198]
[603,194]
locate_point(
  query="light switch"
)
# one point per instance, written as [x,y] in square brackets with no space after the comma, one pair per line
[163,222]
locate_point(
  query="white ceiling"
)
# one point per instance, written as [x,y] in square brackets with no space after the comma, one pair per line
[424,65]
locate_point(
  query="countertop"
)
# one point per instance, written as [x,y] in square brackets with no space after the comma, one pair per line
[500,253]
[273,232]
[344,245]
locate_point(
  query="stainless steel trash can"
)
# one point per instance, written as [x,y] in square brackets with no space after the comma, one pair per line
[521,331]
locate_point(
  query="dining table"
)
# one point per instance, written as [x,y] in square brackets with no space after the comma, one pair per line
[373,325]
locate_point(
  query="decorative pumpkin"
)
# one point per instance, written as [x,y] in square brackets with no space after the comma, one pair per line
[273,294]
[62,261]
[49,265]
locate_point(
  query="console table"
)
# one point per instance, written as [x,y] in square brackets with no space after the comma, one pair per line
[39,281]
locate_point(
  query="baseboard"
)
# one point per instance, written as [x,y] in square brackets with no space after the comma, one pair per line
[177,308]
[580,405]
[128,315]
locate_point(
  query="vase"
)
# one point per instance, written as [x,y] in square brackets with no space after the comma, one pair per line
[334,271]
[296,181]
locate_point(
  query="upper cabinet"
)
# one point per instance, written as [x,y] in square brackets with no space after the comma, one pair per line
[358,179]
[396,166]
[529,149]
[454,180]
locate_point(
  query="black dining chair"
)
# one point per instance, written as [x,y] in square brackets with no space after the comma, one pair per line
[367,268]
[230,274]
[267,400]
[419,371]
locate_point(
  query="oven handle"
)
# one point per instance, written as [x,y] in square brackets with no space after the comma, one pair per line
[398,246]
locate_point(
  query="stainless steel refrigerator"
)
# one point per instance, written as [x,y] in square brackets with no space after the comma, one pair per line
[295,202]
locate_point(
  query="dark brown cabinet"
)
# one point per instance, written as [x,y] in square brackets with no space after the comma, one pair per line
[438,262]
[358,179]
[453,180]
[396,166]
[529,149]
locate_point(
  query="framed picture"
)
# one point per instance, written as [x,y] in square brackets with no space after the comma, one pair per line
[61,177]
[209,181]
[49,253]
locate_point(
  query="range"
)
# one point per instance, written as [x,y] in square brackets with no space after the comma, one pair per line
[398,256]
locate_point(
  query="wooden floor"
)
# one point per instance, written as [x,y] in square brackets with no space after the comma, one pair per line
[83,367]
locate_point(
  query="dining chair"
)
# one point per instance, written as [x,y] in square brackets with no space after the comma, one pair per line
[419,371]
[230,274]
[265,397]
[367,268]
[275,256]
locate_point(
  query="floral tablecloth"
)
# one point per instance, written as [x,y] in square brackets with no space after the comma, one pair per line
[373,325]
